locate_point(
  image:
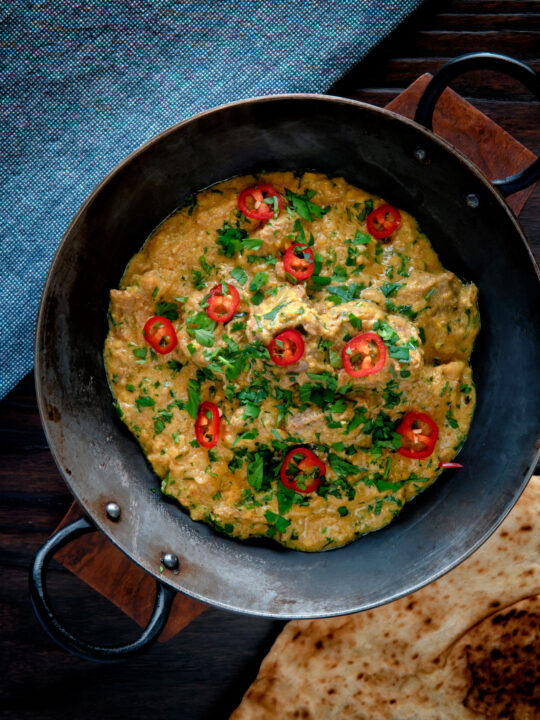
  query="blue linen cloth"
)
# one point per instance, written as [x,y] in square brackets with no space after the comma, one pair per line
[83,84]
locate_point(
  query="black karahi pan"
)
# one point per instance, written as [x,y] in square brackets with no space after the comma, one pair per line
[475,235]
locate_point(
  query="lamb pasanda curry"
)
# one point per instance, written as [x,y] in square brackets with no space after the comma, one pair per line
[293,358]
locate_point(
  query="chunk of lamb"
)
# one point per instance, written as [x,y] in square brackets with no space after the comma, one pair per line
[289,309]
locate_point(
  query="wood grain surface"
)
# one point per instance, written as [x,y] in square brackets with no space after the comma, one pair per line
[203,671]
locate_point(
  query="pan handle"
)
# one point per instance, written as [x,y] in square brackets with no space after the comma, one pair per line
[482,61]
[49,621]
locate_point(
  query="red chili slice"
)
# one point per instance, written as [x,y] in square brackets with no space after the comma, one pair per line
[419,434]
[366,349]
[221,307]
[450,465]
[299,261]
[302,471]
[286,348]
[251,202]
[383,221]
[207,425]
[159,332]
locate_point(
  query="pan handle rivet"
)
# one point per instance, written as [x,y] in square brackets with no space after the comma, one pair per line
[421,155]
[472,201]
[170,561]
[113,510]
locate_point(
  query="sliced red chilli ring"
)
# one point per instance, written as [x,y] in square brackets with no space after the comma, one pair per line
[160,334]
[222,302]
[207,425]
[302,471]
[260,202]
[286,348]
[299,261]
[419,433]
[450,465]
[383,221]
[363,355]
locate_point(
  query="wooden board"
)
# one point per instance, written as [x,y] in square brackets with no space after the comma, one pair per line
[94,559]
[491,148]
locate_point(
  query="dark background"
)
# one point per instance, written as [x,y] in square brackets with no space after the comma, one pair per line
[204,671]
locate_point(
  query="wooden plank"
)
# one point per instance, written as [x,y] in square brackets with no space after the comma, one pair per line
[488,21]
[489,6]
[522,43]
[401,72]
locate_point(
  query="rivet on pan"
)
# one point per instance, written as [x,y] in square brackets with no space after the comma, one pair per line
[421,155]
[472,201]
[170,561]
[113,510]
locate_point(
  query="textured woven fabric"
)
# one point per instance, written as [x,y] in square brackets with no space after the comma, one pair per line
[83,84]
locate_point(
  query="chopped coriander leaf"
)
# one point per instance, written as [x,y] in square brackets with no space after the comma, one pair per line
[207,269]
[285,498]
[320,281]
[342,511]
[391,394]
[239,275]
[302,205]
[368,207]
[175,366]
[140,353]
[168,310]
[230,240]
[390,289]
[342,467]
[335,359]
[204,337]
[300,234]
[391,340]
[337,407]
[194,398]
[361,238]
[402,270]
[255,472]
[197,279]
[271,314]
[249,435]
[251,411]
[130,388]
[160,419]
[359,418]
[344,293]
[259,279]
[144,401]
[451,419]
[277,523]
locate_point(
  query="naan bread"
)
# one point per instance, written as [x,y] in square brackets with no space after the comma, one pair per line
[463,648]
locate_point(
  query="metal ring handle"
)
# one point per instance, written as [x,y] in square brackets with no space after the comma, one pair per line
[482,61]
[49,621]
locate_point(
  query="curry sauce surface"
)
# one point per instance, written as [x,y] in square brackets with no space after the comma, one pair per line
[427,317]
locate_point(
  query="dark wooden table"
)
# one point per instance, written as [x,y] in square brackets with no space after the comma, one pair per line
[203,672]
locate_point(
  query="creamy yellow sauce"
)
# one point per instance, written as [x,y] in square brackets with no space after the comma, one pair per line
[397,287]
